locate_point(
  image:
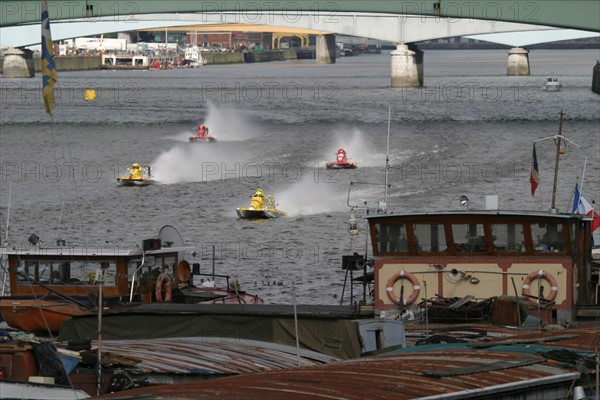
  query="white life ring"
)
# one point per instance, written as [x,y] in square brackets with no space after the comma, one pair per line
[403,275]
[540,275]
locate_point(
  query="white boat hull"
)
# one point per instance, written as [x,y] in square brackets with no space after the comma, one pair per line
[34,391]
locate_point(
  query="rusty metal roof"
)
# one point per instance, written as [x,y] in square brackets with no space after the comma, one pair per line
[399,376]
[583,336]
[204,356]
[580,338]
[456,371]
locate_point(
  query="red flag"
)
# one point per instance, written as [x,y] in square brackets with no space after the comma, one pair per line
[586,208]
[534,178]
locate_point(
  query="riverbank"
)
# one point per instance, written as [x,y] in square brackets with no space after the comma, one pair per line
[87,63]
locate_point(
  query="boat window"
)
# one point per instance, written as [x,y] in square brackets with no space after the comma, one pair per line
[573,235]
[30,270]
[59,272]
[429,237]
[508,237]
[169,265]
[469,238]
[391,238]
[548,237]
[44,272]
[84,272]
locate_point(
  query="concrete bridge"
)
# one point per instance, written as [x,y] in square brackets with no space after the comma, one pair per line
[574,14]
[407,60]
[384,27]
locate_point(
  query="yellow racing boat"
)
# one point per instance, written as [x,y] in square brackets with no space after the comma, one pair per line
[138,176]
[261,207]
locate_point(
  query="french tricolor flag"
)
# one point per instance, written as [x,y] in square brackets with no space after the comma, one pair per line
[534,178]
[581,206]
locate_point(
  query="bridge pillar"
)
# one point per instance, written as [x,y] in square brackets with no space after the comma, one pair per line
[407,66]
[518,62]
[596,78]
[326,49]
[18,63]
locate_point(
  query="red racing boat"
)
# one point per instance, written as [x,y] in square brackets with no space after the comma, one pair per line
[341,162]
[202,135]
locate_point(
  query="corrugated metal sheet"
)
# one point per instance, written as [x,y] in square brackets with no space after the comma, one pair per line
[398,376]
[204,356]
[450,371]
[582,337]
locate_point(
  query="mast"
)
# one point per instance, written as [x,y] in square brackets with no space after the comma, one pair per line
[100,278]
[387,157]
[557,141]
[5,271]
[8,214]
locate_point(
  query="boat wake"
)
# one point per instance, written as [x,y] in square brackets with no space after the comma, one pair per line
[198,163]
[308,197]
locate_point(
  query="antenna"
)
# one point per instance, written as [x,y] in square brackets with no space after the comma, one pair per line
[296,323]
[387,157]
[62,206]
[8,215]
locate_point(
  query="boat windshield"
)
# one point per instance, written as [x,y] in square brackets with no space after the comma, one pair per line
[490,237]
[391,238]
[508,237]
[548,237]
[429,238]
[60,272]
[469,237]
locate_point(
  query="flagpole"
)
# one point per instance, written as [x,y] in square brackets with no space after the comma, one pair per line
[559,136]
[558,139]
[583,174]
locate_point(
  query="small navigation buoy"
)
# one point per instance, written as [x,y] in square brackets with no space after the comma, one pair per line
[90,95]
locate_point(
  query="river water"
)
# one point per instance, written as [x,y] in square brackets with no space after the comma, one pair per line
[468,131]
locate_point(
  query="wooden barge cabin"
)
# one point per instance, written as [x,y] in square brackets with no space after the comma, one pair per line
[545,257]
[50,285]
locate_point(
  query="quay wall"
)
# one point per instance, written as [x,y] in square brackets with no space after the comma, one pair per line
[70,63]
[86,63]
[222,58]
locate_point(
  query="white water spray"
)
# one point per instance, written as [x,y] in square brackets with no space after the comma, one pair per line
[202,161]
[225,124]
[309,196]
[359,150]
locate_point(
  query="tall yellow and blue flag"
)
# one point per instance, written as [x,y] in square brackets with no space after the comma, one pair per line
[48,66]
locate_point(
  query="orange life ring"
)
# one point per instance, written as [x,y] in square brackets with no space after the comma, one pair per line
[540,275]
[403,275]
[163,279]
